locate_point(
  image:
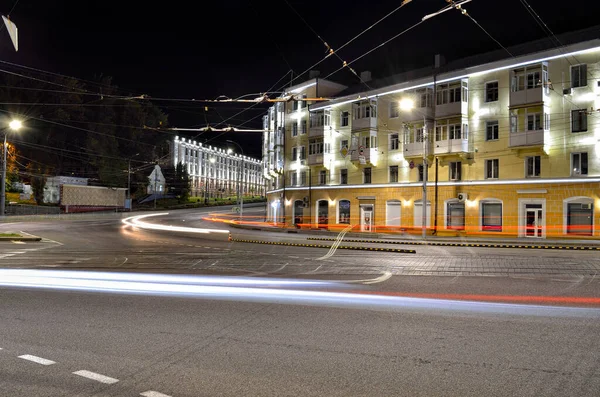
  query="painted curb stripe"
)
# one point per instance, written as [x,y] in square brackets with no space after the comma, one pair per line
[396,250]
[492,245]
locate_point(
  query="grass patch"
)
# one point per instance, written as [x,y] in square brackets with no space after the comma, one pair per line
[10,235]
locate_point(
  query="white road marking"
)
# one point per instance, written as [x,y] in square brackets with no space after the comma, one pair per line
[97,377]
[36,359]
[152,393]
[336,243]
[17,242]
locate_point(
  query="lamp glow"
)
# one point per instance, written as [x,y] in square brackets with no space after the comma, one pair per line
[15,125]
[407,104]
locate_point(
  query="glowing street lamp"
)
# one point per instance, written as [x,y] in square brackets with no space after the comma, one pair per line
[14,125]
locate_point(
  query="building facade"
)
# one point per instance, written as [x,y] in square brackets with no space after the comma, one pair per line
[509,147]
[216,172]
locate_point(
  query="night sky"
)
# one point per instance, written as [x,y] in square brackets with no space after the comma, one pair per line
[204,49]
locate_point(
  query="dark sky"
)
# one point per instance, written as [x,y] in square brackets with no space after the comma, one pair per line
[202,49]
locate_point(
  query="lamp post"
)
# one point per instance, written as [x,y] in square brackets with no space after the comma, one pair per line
[240,176]
[14,125]
[129,182]
[407,104]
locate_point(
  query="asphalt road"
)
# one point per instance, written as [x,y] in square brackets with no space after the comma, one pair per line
[229,341]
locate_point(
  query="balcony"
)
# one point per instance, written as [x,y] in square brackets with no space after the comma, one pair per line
[416,114]
[278,140]
[526,96]
[316,131]
[357,155]
[452,109]
[364,123]
[315,159]
[451,146]
[526,138]
[415,149]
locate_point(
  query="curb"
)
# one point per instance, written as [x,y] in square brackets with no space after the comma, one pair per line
[396,250]
[490,245]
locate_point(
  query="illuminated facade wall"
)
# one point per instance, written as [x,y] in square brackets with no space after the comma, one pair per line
[215,172]
[514,146]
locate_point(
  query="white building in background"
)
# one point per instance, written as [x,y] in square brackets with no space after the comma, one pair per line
[156,181]
[216,172]
[53,184]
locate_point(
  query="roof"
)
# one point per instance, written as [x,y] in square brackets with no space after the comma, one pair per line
[527,48]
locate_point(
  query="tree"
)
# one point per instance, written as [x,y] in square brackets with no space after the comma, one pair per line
[38,181]
[178,181]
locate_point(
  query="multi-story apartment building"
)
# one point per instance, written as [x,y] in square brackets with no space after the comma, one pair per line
[296,142]
[216,172]
[509,146]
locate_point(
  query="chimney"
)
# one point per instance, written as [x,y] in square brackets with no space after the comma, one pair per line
[365,76]
[439,61]
[313,74]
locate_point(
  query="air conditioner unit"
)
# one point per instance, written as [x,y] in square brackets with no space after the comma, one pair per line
[587,206]
[567,91]
[462,197]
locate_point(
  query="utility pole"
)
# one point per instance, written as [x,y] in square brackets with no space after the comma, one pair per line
[424,225]
[240,183]
[155,182]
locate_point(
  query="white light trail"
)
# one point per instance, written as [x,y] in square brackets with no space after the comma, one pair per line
[165,285]
[134,221]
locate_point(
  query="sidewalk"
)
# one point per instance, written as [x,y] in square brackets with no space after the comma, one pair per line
[411,239]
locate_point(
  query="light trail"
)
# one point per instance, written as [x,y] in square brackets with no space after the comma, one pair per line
[261,290]
[135,221]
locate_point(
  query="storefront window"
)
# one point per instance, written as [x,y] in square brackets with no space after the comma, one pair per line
[344,211]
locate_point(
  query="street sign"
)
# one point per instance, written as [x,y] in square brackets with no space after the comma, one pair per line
[344,151]
[12,32]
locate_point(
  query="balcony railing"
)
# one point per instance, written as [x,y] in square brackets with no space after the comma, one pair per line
[364,123]
[315,159]
[415,149]
[367,154]
[451,146]
[452,109]
[527,96]
[316,131]
[526,138]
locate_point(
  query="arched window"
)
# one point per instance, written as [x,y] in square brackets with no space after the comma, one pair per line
[344,211]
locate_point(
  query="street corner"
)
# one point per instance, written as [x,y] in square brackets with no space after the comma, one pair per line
[18,236]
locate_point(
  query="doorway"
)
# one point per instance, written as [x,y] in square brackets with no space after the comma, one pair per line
[366,218]
[322,214]
[532,219]
[298,212]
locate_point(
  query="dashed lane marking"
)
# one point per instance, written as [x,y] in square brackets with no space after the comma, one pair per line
[152,393]
[36,359]
[97,377]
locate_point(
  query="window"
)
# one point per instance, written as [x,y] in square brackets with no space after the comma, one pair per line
[315,147]
[322,177]
[446,94]
[364,110]
[294,153]
[369,142]
[302,153]
[327,118]
[393,173]
[534,122]
[294,180]
[455,215]
[344,144]
[394,109]
[317,119]
[394,142]
[579,76]
[303,103]
[344,211]
[580,218]
[578,120]
[491,130]
[367,175]
[454,131]
[302,178]
[344,176]
[344,119]
[455,170]
[491,91]
[514,122]
[425,100]
[420,169]
[295,128]
[579,163]
[533,80]
[491,217]
[441,132]
[303,127]
[532,166]
[491,169]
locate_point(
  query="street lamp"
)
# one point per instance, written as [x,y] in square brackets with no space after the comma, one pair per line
[14,125]
[240,190]
[129,181]
[407,104]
